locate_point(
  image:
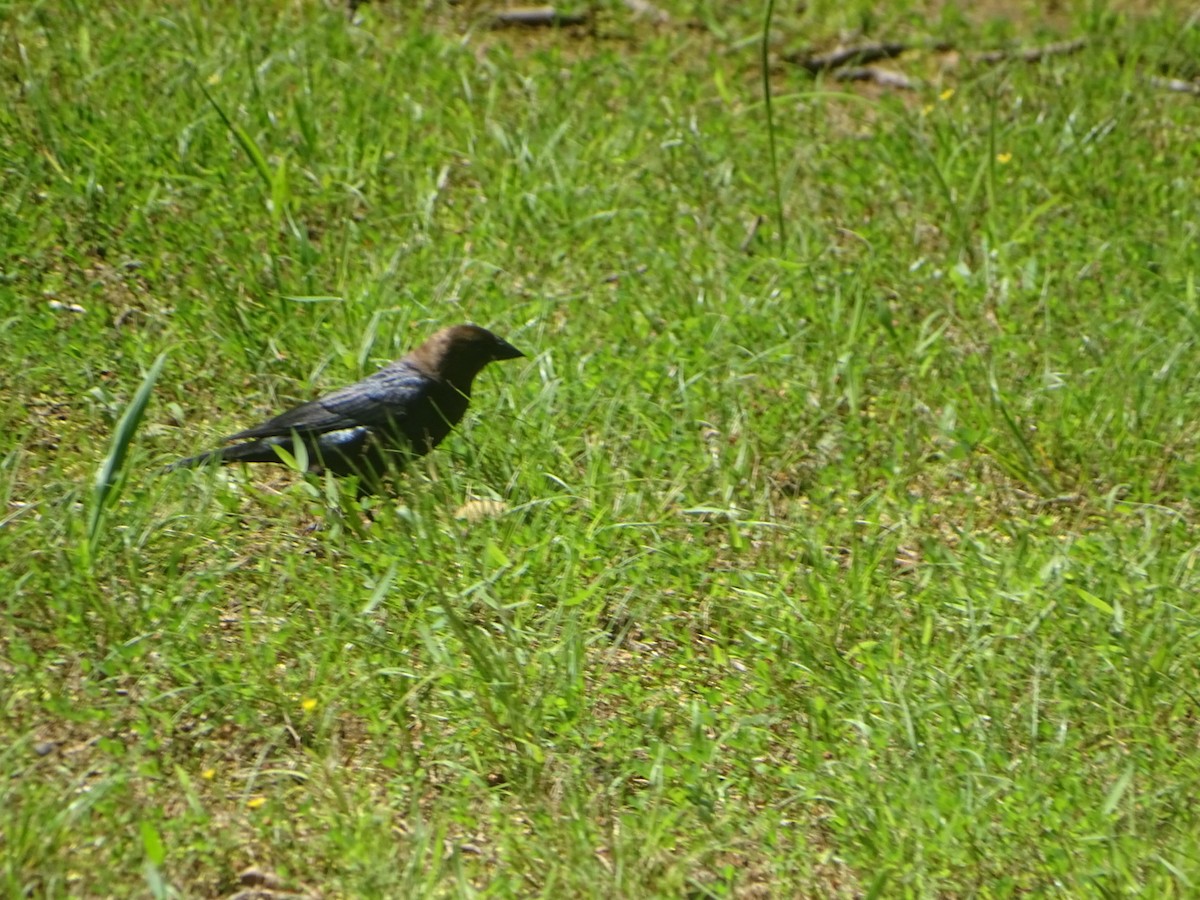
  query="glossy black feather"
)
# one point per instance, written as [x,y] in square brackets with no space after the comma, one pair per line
[391,394]
[406,408]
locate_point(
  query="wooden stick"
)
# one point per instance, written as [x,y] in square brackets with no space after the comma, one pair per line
[883,77]
[1176,84]
[535,16]
[844,56]
[1031,54]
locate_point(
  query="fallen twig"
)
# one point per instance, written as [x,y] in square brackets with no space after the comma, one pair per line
[844,56]
[751,233]
[882,77]
[649,10]
[535,16]
[853,63]
[1030,54]
[1178,85]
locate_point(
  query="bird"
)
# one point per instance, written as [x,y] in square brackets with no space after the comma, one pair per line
[405,409]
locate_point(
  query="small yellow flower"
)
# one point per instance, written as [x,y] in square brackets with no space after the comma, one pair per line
[926,109]
[1003,158]
[946,94]
[308,704]
[214,78]
[255,802]
[208,774]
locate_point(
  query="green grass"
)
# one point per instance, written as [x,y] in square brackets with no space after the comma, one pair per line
[860,564]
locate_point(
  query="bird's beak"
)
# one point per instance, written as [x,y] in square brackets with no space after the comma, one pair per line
[505,350]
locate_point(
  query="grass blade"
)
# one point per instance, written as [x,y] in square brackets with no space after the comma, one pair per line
[765,68]
[108,475]
[247,143]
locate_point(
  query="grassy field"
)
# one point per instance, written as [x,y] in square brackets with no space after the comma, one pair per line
[852,559]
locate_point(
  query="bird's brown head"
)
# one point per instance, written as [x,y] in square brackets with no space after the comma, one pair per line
[456,354]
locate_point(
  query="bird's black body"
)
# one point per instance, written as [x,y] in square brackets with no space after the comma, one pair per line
[406,408]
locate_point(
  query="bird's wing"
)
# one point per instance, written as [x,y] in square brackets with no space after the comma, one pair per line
[379,400]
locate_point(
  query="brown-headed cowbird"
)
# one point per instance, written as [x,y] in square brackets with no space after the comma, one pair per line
[407,407]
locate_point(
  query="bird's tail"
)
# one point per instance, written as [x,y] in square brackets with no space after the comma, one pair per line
[254,451]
